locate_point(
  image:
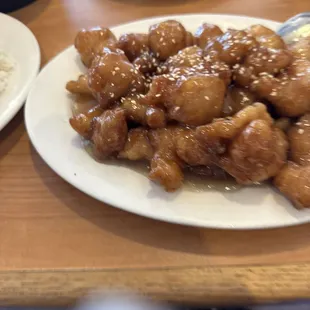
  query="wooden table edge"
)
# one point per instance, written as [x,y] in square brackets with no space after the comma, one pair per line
[207,285]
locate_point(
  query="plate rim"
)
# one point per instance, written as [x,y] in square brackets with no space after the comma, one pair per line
[108,199]
[8,114]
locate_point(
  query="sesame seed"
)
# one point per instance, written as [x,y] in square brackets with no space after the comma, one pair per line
[301,131]
[116,68]
[207,98]
[157,95]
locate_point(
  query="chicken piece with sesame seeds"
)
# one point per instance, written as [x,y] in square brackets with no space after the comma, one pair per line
[289,92]
[299,140]
[167,38]
[205,33]
[111,77]
[266,37]
[247,145]
[188,57]
[236,99]
[138,146]
[256,154]
[141,113]
[109,133]
[146,63]
[133,44]
[189,149]
[195,100]
[82,123]
[214,135]
[166,167]
[80,86]
[92,42]
[293,181]
[261,61]
[231,47]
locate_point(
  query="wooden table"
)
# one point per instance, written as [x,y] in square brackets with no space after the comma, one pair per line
[56,243]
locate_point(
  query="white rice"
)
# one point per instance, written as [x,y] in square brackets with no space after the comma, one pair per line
[6,69]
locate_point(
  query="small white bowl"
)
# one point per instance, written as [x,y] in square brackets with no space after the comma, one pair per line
[19,43]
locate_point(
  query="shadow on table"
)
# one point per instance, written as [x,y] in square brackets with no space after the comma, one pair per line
[170,236]
[11,133]
[31,11]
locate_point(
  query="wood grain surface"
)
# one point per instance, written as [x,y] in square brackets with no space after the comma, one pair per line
[56,243]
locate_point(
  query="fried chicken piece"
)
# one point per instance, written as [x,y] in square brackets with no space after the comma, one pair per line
[261,61]
[80,86]
[266,37]
[111,77]
[236,99]
[167,38]
[229,127]
[289,92]
[205,33]
[189,149]
[140,113]
[294,182]
[146,63]
[165,164]
[299,139]
[196,100]
[91,43]
[301,48]
[231,47]
[83,123]
[133,44]
[109,133]
[138,146]
[186,58]
[256,154]
[247,145]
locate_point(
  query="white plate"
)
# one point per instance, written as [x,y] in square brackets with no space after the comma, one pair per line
[47,113]
[19,43]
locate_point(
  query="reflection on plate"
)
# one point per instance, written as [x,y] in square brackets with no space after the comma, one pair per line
[127,188]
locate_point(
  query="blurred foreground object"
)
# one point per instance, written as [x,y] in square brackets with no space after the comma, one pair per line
[7,6]
[107,300]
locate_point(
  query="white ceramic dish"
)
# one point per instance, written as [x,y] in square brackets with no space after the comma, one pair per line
[19,43]
[48,109]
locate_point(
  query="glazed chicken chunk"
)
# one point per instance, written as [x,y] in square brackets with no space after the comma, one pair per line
[133,44]
[266,37]
[165,164]
[231,47]
[167,38]
[138,146]
[205,33]
[247,145]
[294,182]
[112,76]
[92,42]
[299,139]
[109,133]
[289,92]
